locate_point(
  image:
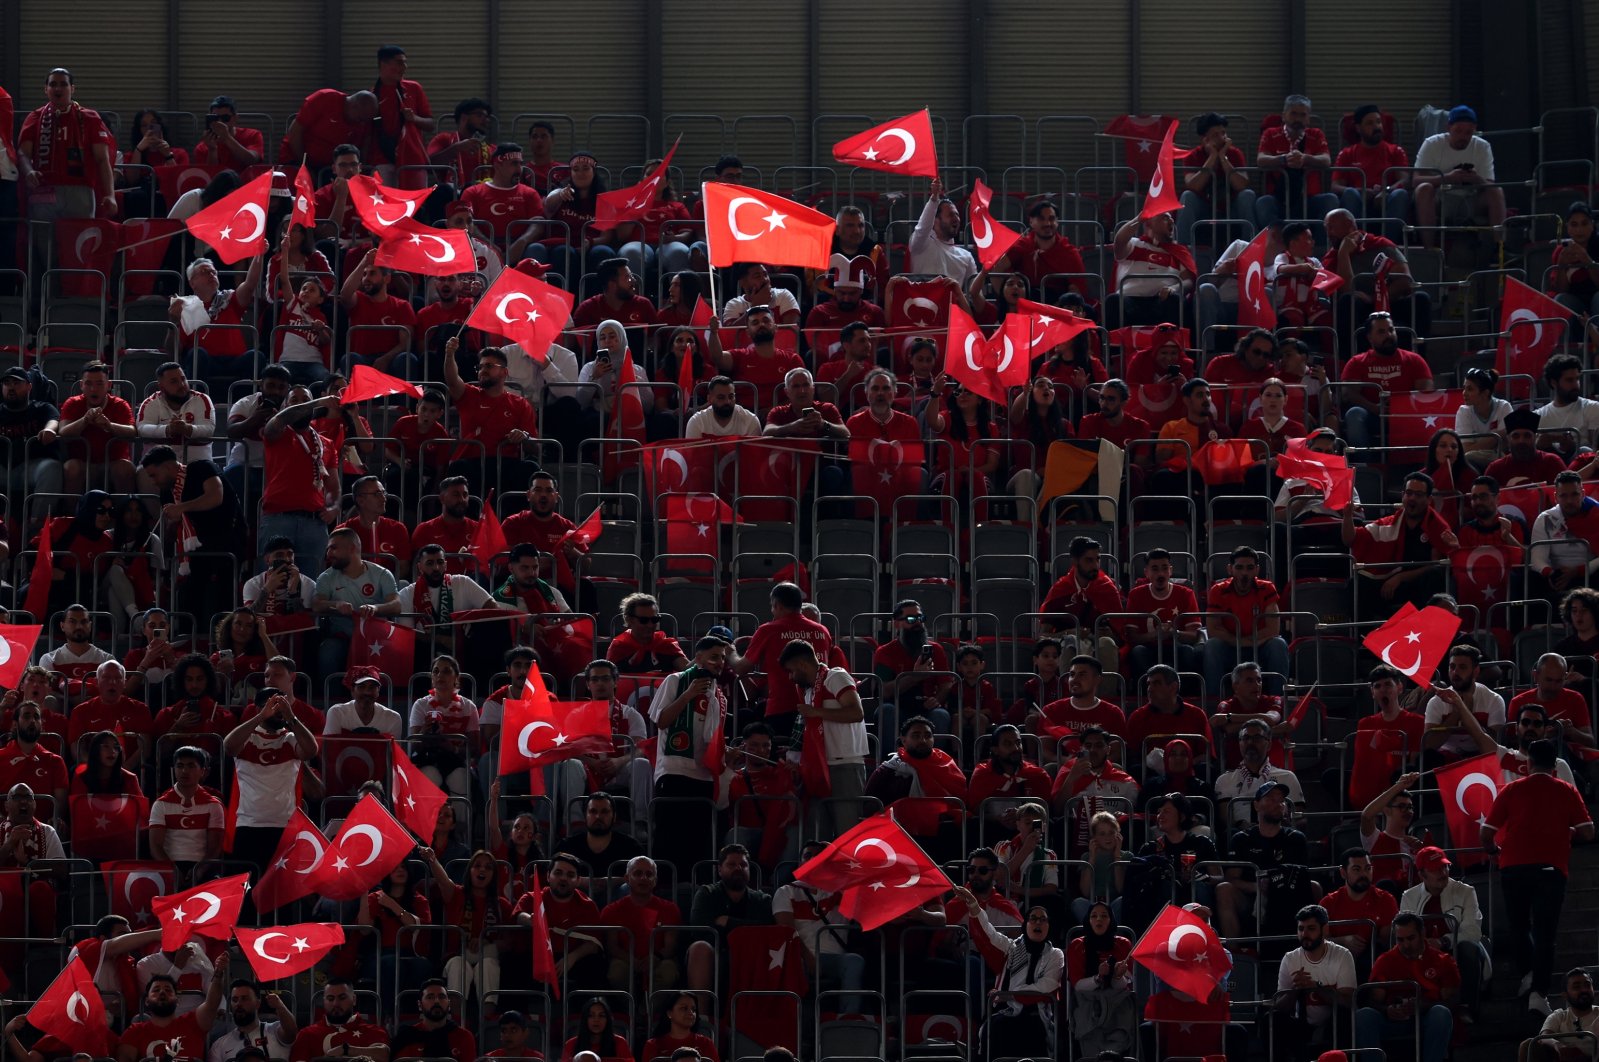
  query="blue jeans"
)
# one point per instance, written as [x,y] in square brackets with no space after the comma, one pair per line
[1360,428]
[842,971]
[307,531]
[1269,209]
[1221,658]
[405,365]
[1471,957]
[1372,1027]
[1395,207]
[1196,208]
[306,373]
[332,655]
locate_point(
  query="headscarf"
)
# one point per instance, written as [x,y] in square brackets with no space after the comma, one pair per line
[1178,782]
[83,520]
[1097,946]
[621,332]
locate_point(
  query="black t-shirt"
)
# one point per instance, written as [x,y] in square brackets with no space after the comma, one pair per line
[1288,848]
[17,426]
[621,849]
[219,528]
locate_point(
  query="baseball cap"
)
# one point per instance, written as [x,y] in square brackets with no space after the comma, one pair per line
[1266,787]
[513,1017]
[1462,113]
[224,101]
[362,674]
[722,632]
[1431,858]
[15,373]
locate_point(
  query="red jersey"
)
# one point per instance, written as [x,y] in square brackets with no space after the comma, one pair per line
[1376,905]
[1275,141]
[1030,780]
[642,919]
[488,419]
[295,472]
[1180,600]
[1062,256]
[1095,426]
[350,227]
[765,373]
[43,770]
[1402,372]
[100,444]
[1510,470]
[388,536]
[500,207]
[1248,608]
[214,719]
[323,127]
[1188,722]
[453,535]
[249,139]
[408,432]
[542,531]
[435,314]
[1374,161]
[64,143]
[768,643]
[825,321]
[180,1038]
[1534,817]
[94,715]
[369,314]
[351,1038]
[1436,975]
[635,312]
[576,910]
[1195,159]
[901,427]
[1070,597]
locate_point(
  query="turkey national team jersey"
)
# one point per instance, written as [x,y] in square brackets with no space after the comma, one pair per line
[267,774]
[187,821]
[180,1038]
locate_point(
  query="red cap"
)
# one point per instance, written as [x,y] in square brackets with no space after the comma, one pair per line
[534,269]
[1431,858]
[362,674]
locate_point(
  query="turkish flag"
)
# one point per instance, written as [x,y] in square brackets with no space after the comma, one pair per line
[132,886]
[1254,297]
[489,541]
[1141,135]
[87,244]
[524,719]
[367,383]
[37,602]
[992,240]
[581,728]
[386,646]
[1296,718]
[72,1011]
[635,201]
[629,423]
[289,877]
[699,320]
[1534,325]
[1327,282]
[988,366]
[887,470]
[878,870]
[304,200]
[524,310]
[543,954]
[1052,325]
[694,522]
[1183,950]
[918,305]
[1414,641]
[774,470]
[107,827]
[1468,789]
[349,761]
[1378,757]
[207,910]
[1163,195]
[416,799]
[1413,416]
[1330,472]
[144,250]
[413,247]
[1154,403]
[283,951]
[777,232]
[1482,573]
[922,1027]
[767,959]
[904,145]
[1222,461]
[16,648]
[381,207]
[366,848]
[583,536]
[676,466]
[176,180]
[235,226]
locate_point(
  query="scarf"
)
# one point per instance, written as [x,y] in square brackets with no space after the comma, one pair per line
[1168,255]
[679,738]
[1379,298]
[186,537]
[71,130]
[1175,782]
[813,749]
[937,776]
[422,601]
[1097,946]
[319,469]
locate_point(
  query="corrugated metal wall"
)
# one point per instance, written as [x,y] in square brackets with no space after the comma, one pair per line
[1374,51]
[285,67]
[117,72]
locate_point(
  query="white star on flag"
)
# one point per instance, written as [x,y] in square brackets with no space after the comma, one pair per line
[776,955]
[560,739]
[177,914]
[774,220]
[704,529]
[341,864]
[870,153]
[1413,637]
[227,234]
[377,200]
[532,315]
[416,240]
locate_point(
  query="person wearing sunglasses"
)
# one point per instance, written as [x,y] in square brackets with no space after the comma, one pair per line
[643,646]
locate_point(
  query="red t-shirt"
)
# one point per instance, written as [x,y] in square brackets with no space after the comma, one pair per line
[1435,973]
[768,643]
[435,314]
[541,531]
[765,373]
[642,919]
[575,910]
[250,139]
[1534,816]
[1377,905]
[1395,375]
[100,444]
[892,659]
[825,321]
[1274,141]
[323,127]
[388,535]
[369,341]
[43,770]
[1568,705]
[1248,609]
[488,419]
[901,427]
[452,535]
[1147,723]
[1195,158]
[499,207]
[94,715]
[1025,258]
[181,1037]
[1070,597]
[1094,426]
[350,227]
[635,312]
[291,472]
[407,431]
[71,158]
[1179,601]
[1374,161]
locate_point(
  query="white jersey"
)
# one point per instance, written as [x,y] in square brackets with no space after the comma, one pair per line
[155,413]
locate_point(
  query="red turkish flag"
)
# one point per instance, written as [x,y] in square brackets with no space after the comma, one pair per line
[676,466]
[366,848]
[1413,416]
[16,648]
[1378,757]
[635,201]
[37,601]
[349,761]
[367,383]
[524,720]
[489,541]
[72,1011]
[629,422]
[918,305]
[885,470]
[543,954]
[304,200]
[88,244]
[107,827]
[235,226]
[767,959]
[1330,472]
[988,366]
[1414,641]
[1468,789]
[1534,325]
[283,951]
[416,799]
[132,886]
[1327,282]
[1482,573]
[207,910]
[699,320]
[1163,194]
[1254,296]
[777,232]
[1296,718]
[176,180]
[1222,461]
[524,310]
[581,728]
[412,247]
[386,646]
[1183,950]
[381,207]
[1052,325]
[693,526]
[992,240]
[878,871]
[904,145]
[583,536]
[289,877]
[1141,135]
[144,249]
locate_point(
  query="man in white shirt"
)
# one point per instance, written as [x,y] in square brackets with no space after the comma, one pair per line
[1314,981]
[932,245]
[245,1001]
[178,415]
[438,595]
[1153,271]
[267,749]
[1443,734]
[823,931]
[280,586]
[1439,894]
[828,695]
[1464,165]
[188,967]
[755,289]
[723,417]
[1567,408]
[1577,1016]
[688,710]
[1237,788]
[363,712]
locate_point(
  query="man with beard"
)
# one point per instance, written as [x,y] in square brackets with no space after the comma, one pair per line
[1243,622]
[452,530]
[165,1034]
[917,769]
[764,799]
[1565,707]
[1165,715]
[466,148]
[830,706]
[1112,421]
[1392,553]
[1084,593]
[1532,724]
[23,759]
[853,362]
[1268,844]
[722,416]
[25,840]
[825,322]
[1006,776]
[932,245]
[443,318]
[900,665]
[764,654]
[1045,251]
[1390,1013]
[1485,527]
[982,881]
[1385,369]
[246,418]
[541,523]
[1297,157]
[1376,277]
[274,1037]
[1236,788]
[1090,783]
[579,959]
[1384,190]
[1451,742]
[437,596]
[104,424]
[1357,903]
[1565,536]
[341,1031]
[599,845]
[564,649]
[503,201]
[723,905]
[382,324]
[689,711]
[267,749]
[1567,408]
[175,414]
[363,712]
[761,362]
[79,657]
[349,589]
[1314,982]
[436,1034]
[1081,708]
[617,300]
[1578,1016]
[492,416]
[1524,462]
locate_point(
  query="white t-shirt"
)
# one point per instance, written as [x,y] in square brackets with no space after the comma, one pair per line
[63,657]
[466,595]
[1336,969]
[782,302]
[687,766]
[266,1035]
[704,424]
[267,770]
[1467,422]
[804,903]
[249,452]
[253,590]
[345,717]
[199,967]
[1486,705]
[1581,416]
[846,742]
[1237,789]
[931,255]
[1436,154]
[460,715]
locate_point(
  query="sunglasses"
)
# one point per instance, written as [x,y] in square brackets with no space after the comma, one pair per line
[651,620]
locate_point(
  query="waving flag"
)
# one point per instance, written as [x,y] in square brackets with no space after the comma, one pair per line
[904,145]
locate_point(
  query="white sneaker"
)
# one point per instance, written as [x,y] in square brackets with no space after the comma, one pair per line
[1526,985]
[1536,1002]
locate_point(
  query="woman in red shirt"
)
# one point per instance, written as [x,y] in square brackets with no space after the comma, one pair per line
[598,1035]
[1451,474]
[964,421]
[684,343]
[474,910]
[683,293]
[395,905]
[573,205]
[1102,984]
[520,850]
[678,1027]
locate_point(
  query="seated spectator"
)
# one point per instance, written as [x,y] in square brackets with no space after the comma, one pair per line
[340,1029]
[1214,186]
[1380,191]
[1376,277]
[1481,416]
[350,589]
[764,797]
[197,712]
[110,710]
[1174,623]
[1103,879]
[243,646]
[519,849]
[76,544]
[436,1034]
[804,416]
[1293,275]
[362,714]
[1029,971]
[1382,549]
[1384,369]
[448,725]
[226,143]
[1174,839]
[1296,156]
[1576,1017]
[382,324]
[1004,777]
[722,416]
[1165,715]
[188,967]
[103,422]
[1237,788]
[850,304]
[571,207]
[1356,903]
[1389,1012]
[762,362]
[1252,628]
[1046,685]
[597,1036]
[599,845]
[617,300]
[1085,594]
[186,821]
[24,840]
[642,647]
[973,702]
[577,954]
[24,759]
[504,203]
[1525,462]
[1452,742]
[651,939]
[1315,983]
[164,1030]
[1269,844]
[1454,179]
[1249,703]
[1452,918]
[1104,1007]
[77,658]
[1178,775]
[272,1039]
[1090,783]
[1044,251]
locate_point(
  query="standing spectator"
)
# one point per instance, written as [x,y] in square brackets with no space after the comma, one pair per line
[224,143]
[1531,827]
[1390,1011]
[1314,983]
[64,161]
[769,645]
[828,695]
[103,424]
[465,149]
[493,417]
[267,749]
[1022,1015]
[932,244]
[404,118]
[689,710]
[1296,156]
[302,479]
[1250,630]
[326,119]
[382,324]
